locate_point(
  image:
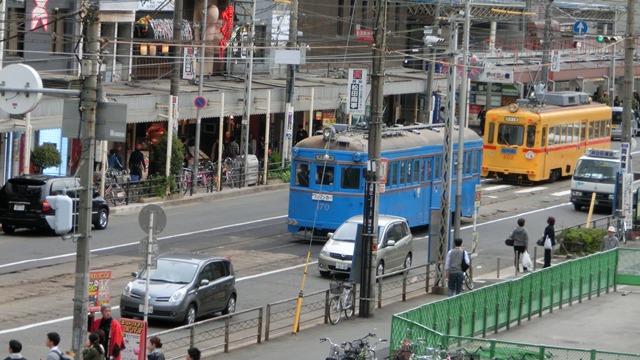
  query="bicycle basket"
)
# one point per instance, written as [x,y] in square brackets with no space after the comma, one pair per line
[335,288]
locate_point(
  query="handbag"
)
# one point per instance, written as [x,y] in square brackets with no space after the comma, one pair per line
[540,242]
[509,242]
[547,243]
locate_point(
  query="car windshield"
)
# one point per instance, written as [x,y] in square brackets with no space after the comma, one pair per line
[596,170]
[348,231]
[172,271]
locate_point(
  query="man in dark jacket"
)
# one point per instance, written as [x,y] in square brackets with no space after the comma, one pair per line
[137,164]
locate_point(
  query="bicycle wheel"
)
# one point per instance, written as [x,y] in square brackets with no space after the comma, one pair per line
[468,281]
[349,304]
[230,178]
[118,195]
[335,310]
[184,183]
[109,195]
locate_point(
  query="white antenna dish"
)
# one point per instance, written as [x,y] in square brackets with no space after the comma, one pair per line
[19,76]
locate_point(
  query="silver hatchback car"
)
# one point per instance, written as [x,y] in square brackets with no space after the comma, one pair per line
[395,247]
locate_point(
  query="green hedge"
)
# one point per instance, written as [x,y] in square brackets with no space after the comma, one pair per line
[591,238]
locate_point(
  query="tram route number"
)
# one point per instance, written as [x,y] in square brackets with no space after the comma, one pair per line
[508,157]
[321,197]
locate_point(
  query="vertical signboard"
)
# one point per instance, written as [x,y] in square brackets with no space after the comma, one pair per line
[134,333]
[555,61]
[99,288]
[357,91]
[189,63]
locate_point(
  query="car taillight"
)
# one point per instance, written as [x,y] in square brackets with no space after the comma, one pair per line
[46,206]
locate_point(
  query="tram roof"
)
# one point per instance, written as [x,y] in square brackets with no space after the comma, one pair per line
[396,138]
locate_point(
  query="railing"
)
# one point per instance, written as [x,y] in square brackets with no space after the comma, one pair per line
[453,323]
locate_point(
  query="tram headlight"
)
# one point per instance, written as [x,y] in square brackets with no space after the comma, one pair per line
[328,133]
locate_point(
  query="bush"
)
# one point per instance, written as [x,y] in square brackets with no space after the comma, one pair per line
[275,160]
[590,237]
[284,174]
[159,154]
[44,156]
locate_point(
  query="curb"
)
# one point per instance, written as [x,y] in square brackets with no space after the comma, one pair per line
[198,197]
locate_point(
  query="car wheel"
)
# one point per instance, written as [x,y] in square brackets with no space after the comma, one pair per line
[577,207]
[231,306]
[190,316]
[103,219]
[380,269]
[407,261]
[324,274]
[8,229]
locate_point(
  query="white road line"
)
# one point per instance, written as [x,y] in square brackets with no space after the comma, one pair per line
[61,256]
[562,193]
[496,187]
[537,188]
[54,321]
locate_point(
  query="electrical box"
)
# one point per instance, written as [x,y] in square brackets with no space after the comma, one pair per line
[63,218]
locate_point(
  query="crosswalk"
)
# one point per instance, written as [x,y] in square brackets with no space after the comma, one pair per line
[489,191]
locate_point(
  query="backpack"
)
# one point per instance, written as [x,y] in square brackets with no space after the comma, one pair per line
[62,355]
[463,265]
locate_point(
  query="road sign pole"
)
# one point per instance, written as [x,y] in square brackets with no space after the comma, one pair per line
[148,267]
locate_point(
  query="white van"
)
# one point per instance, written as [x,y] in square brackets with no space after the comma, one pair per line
[616,123]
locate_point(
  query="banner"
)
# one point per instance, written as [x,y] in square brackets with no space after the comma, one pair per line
[135,339]
[99,286]
[357,91]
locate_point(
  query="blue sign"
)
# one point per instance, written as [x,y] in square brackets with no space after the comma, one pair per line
[200,102]
[580,27]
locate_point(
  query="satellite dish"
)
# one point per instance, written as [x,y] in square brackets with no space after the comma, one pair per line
[19,76]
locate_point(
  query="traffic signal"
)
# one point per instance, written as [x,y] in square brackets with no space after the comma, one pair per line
[608,39]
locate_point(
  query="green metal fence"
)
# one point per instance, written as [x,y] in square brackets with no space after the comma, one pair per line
[461,322]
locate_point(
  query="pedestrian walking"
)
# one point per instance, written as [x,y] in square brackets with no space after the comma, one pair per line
[193,354]
[51,341]
[520,238]
[551,233]
[155,344]
[113,340]
[453,267]
[610,241]
[93,350]
[14,351]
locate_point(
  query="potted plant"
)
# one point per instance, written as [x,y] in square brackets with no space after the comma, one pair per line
[45,156]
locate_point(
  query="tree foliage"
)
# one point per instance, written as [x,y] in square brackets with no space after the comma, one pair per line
[159,154]
[45,156]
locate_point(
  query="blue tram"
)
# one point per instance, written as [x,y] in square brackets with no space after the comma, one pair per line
[327,175]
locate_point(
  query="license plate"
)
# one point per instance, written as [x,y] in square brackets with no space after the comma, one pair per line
[341,266]
[321,197]
[18,207]
[141,309]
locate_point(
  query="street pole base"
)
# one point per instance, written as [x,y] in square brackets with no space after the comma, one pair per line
[439,290]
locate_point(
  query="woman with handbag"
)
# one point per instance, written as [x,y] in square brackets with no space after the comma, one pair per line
[550,233]
[520,238]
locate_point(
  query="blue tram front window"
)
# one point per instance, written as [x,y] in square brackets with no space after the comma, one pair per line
[302,175]
[324,175]
[350,178]
[510,134]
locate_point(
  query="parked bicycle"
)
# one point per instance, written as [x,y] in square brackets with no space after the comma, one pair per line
[336,351]
[204,178]
[343,299]
[114,193]
[358,349]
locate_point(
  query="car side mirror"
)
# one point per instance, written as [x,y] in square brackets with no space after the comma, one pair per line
[134,274]
[204,282]
[391,243]
[96,193]
[329,235]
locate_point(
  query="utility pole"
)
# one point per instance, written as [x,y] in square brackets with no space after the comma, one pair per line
[426,119]
[462,119]
[88,105]
[447,168]
[196,152]
[546,46]
[372,174]
[174,91]
[291,79]
[628,73]
[246,109]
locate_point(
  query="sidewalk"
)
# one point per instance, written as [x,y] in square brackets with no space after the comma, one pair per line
[200,196]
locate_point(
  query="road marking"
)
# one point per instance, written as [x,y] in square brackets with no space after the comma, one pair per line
[530,190]
[61,256]
[496,187]
[54,321]
[562,193]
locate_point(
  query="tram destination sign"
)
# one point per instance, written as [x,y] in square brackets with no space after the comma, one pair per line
[511,119]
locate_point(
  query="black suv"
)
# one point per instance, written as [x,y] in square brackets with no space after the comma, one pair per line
[23,202]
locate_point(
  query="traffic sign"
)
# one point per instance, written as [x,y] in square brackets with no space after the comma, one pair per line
[580,27]
[143,247]
[200,102]
[478,197]
[159,218]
